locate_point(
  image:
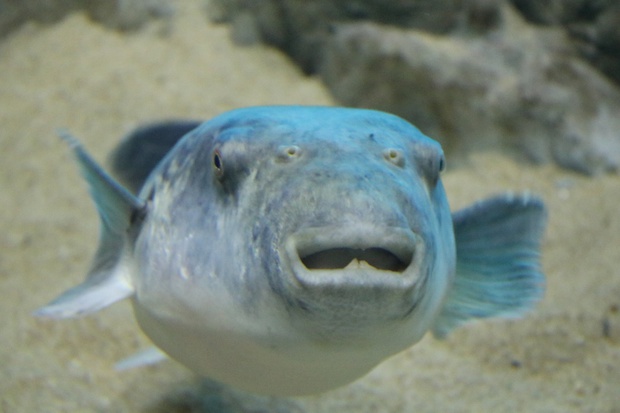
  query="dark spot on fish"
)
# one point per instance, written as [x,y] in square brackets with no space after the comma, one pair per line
[411,309]
[138,214]
[165,174]
[256,231]
[303,305]
[516,364]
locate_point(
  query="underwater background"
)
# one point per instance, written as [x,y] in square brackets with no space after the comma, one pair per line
[522,99]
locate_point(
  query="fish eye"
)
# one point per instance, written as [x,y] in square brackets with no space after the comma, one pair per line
[394,156]
[218,166]
[288,152]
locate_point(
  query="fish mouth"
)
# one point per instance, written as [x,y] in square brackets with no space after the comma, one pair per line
[361,256]
[346,258]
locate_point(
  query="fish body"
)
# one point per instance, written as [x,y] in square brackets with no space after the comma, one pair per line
[289,250]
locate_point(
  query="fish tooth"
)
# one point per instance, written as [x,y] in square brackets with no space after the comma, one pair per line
[353,265]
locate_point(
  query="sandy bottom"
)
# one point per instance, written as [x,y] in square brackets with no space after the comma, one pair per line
[565,357]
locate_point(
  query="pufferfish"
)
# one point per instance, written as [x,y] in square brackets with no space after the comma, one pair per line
[288,250]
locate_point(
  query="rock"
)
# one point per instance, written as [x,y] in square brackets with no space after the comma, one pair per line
[537,78]
[128,14]
[301,27]
[553,12]
[473,94]
[474,74]
[594,27]
[122,14]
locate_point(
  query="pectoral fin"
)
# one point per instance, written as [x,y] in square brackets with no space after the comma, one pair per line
[108,280]
[92,295]
[498,270]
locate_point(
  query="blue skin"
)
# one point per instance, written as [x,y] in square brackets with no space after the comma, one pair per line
[233,252]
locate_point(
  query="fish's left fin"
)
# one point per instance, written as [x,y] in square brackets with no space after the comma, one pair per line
[146,357]
[498,272]
[107,280]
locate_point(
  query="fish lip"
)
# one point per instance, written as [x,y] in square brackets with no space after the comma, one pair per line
[402,243]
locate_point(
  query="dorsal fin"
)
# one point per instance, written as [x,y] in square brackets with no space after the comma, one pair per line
[107,280]
[141,151]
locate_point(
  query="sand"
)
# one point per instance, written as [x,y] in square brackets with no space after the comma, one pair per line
[564,357]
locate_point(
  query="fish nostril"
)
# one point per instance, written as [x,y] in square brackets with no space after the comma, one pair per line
[394,156]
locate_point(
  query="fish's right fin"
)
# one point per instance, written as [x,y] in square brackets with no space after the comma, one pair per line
[107,280]
[498,270]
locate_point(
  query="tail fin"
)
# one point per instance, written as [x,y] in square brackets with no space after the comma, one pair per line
[107,281]
[498,270]
[142,150]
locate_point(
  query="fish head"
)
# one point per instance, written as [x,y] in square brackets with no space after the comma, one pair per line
[357,225]
[318,224]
